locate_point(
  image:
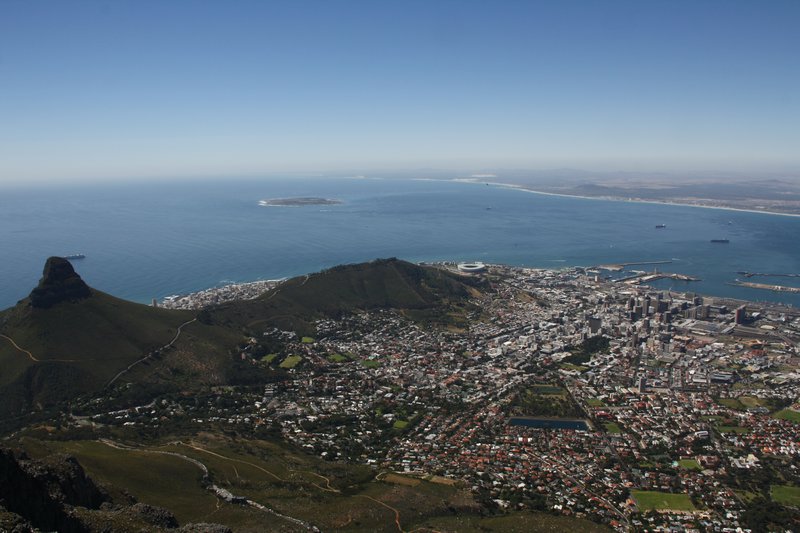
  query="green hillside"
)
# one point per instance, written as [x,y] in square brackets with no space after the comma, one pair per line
[75,346]
[68,339]
[101,329]
[300,487]
[384,283]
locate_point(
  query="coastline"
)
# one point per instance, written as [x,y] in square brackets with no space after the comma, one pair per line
[527,189]
[267,245]
[253,289]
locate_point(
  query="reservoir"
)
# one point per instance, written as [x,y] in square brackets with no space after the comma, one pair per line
[549,423]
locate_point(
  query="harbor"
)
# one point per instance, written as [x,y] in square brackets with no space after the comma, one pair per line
[618,267]
[646,277]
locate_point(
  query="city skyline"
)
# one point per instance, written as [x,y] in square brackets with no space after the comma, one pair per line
[123,90]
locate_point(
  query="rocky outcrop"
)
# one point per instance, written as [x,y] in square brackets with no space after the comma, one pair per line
[55,494]
[155,516]
[59,283]
[42,492]
[13,523]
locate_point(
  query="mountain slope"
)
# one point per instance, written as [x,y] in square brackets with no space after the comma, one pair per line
[67,339]
[383,283]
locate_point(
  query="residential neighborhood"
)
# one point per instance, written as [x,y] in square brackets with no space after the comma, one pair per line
[562,391]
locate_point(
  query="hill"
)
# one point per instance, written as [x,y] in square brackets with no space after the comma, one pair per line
[174,481]
[425,293]
[53,493]
[67,338]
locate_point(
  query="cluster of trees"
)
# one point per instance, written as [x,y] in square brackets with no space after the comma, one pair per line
[763,514]
[583,353]
[529,403]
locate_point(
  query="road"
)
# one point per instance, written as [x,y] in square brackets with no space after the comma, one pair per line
[151,354]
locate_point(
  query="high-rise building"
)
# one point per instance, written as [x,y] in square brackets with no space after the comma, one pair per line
[741,315]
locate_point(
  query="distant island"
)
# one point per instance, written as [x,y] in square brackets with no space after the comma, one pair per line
[297,202]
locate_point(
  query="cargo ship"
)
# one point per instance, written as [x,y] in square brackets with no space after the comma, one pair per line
[724,241]
[661,226]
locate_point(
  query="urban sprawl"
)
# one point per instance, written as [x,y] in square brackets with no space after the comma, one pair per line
[560,391]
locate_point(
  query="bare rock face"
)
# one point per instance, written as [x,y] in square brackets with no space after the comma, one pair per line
[59,283]
[43,491]
[55,494]
[155,516]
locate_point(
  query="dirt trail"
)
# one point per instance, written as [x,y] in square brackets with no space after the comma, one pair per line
[221,493]
[329,488]
[148,356]
[29,354]
[395,511]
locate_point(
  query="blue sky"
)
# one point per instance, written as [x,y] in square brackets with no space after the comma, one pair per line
[146,88]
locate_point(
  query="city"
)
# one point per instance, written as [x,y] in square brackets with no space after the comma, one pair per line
[686,407]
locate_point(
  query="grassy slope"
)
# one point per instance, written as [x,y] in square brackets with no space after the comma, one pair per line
[202,355]
[380,284]
[82,345]
[155,479]
[102,333]
[290,482]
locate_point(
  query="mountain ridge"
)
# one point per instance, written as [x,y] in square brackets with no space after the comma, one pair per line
[69,339]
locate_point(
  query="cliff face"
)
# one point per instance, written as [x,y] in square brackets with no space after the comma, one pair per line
[41,492]
[59,283]
[55,494]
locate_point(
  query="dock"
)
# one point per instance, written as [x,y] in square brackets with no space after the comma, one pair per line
[616,267]
[647,277]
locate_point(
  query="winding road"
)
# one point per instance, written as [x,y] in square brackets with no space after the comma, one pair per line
[151,354]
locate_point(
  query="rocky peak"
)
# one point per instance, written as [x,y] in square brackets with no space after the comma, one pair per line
[59,283]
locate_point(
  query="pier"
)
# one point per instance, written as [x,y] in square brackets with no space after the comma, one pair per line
[647,277]
[616,267]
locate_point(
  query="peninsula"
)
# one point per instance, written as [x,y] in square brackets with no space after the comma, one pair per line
[780,197]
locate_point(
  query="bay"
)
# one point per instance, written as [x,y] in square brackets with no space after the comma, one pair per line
[145,241]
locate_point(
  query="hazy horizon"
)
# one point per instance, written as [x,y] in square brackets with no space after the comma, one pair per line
[121,91]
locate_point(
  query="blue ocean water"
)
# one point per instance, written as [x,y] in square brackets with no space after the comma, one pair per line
[152,240]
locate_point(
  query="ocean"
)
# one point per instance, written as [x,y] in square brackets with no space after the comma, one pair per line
[152,240]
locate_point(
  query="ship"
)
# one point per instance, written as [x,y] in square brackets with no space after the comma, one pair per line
[661,226]
[724,241]
[75,256]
